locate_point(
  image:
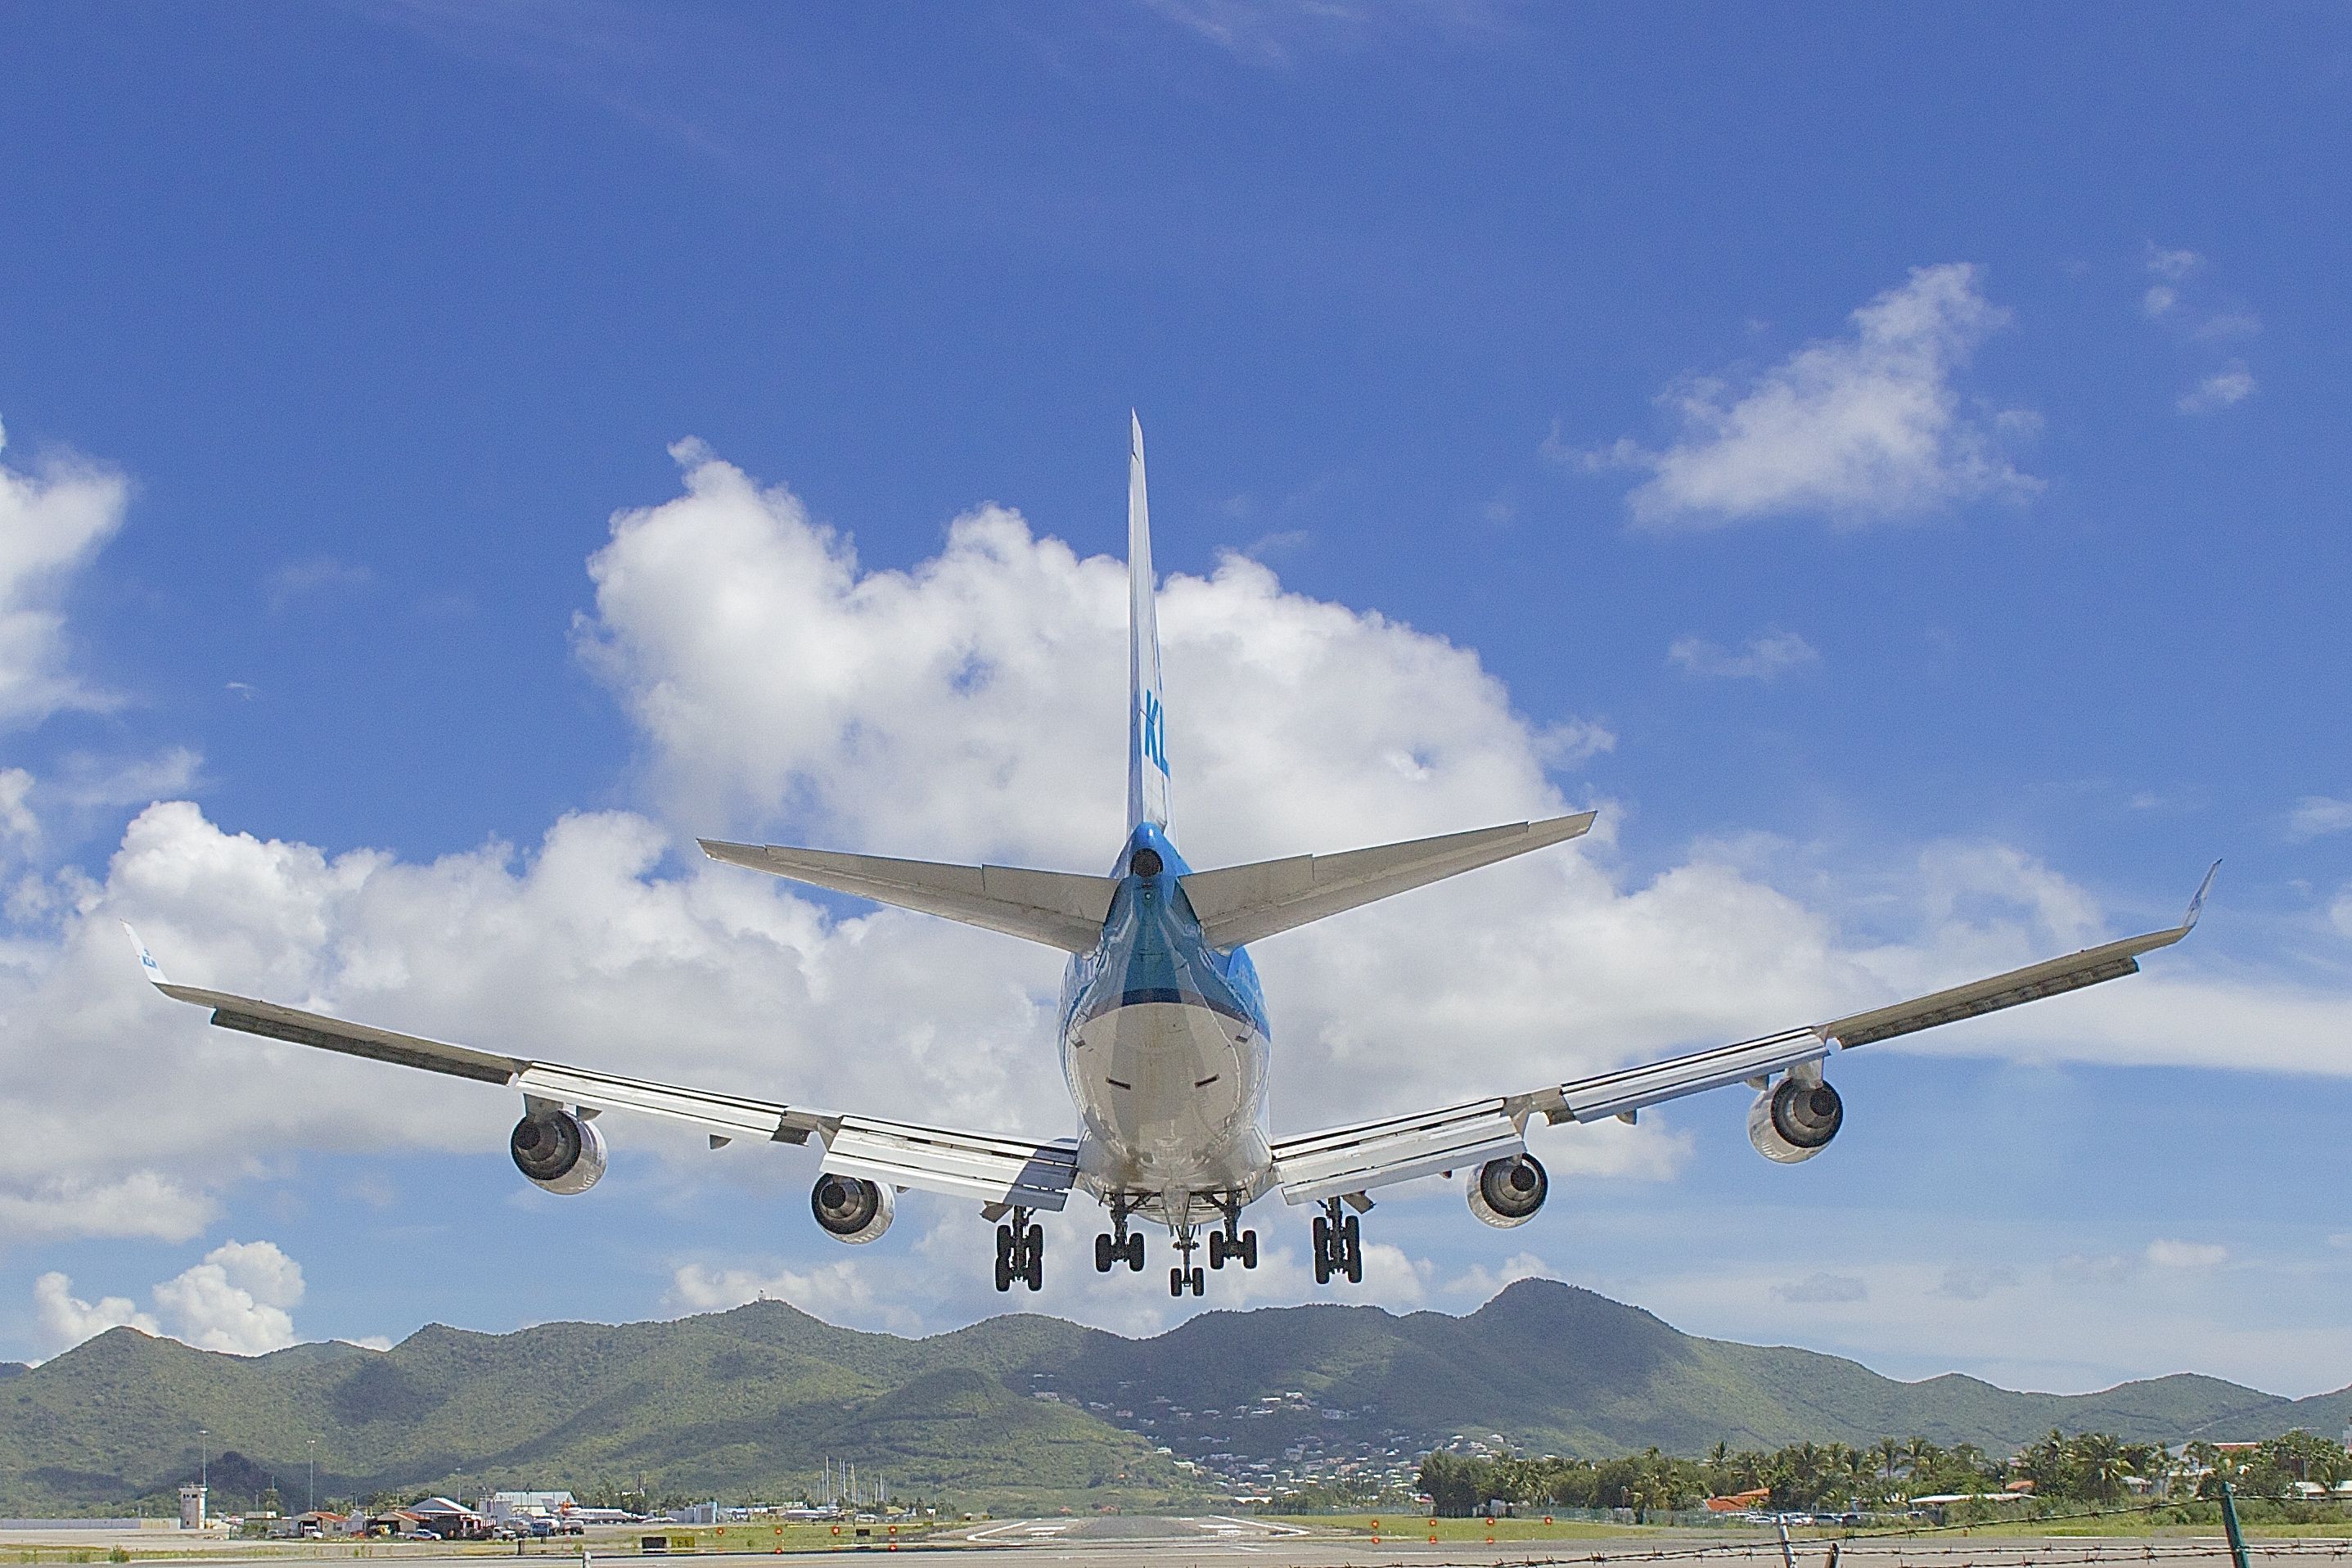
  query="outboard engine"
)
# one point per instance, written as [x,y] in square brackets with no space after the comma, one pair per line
[558,1150]
[1507,1192]
[852,1210]
[1794,1121]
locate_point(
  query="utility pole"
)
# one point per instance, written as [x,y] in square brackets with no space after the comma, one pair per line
[314,1475]
[203,1456]
[2230,1518]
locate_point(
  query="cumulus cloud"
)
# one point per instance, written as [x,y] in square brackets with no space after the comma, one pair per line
[67,1320]
[2231,384]
[53,520]
[1765,658]
[970,706]
[2166,1253]
[237,1300]
[1861,427]
[1479,1283]
[17,819]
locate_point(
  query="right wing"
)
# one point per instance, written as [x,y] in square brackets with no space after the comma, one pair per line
[1349,1160]
[995,1170]
[1059,909]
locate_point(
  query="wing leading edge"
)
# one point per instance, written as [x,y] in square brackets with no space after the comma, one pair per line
[995,1170]
[1353,1159]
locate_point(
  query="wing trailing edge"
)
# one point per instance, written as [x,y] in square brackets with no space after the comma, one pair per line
[1058,908]
[1241,903]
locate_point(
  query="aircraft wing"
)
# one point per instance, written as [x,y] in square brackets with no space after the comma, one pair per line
[1351,1160]
[993,1169]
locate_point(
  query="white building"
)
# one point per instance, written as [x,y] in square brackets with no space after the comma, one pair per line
[500,1507]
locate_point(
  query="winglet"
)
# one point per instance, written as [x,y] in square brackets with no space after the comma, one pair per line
[2197,904]
[146,959]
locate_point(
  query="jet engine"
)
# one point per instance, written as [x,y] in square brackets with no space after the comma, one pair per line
[1505,1192]
[852,1210]
[558,1150]
[1794,1121]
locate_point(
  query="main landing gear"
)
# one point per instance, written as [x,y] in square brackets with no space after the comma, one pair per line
[1021,1253]
[1339,1245]
[1232,1241]
[1118,1244]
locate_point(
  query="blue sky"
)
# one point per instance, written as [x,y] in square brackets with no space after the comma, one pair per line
[1891,463]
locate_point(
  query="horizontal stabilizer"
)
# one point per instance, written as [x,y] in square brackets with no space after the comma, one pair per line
[1059,909]
[1241,903]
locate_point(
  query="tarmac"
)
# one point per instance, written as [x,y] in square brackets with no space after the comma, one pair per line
[1225,1540]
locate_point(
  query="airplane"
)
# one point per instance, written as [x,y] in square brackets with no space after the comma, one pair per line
[1165,1040]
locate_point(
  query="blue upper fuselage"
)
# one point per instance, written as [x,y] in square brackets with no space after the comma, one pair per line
[1151,949]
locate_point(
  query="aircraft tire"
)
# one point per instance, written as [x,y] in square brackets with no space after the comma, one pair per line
[1175,1281]
[1135,1253]
[1249,1250]
[1103,1253]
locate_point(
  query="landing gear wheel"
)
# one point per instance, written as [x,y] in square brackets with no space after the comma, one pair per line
[1103,1253]
[1353,1250]
[1322,1251]
[1217,1250]
[1200,1282]
[1033,1268]
[1135,1253]
[1247,1251]
[1175,1281]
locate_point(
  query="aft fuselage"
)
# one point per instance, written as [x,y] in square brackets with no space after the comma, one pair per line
[1165,1044]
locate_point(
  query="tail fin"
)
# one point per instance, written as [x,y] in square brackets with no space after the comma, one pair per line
[1147,718]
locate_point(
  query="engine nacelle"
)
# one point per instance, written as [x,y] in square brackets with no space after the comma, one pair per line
[1505,1192]
[852,1210]
[1794,1121]
[558,1151]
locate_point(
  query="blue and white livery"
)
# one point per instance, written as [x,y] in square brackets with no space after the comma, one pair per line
[1165,1040]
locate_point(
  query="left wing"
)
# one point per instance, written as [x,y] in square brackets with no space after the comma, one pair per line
[1349,1160]
[995,1170]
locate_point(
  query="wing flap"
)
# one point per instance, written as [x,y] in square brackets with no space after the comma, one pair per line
[607,1092]
[1238,904]
[253,1016]
[960,1165]
[1368,1154]
[1058,908]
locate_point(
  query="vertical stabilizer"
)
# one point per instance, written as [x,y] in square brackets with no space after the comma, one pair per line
[1147,719]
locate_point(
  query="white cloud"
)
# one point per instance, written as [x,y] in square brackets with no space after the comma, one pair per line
[2159,299]
[1863,427]
[67,1320]
[1823,1289]
[17,819]
[2232,384]
[1765,658]
[52,521]
[2166,1253]
[237,1300]
[2175,265]
[2340,913]
[842,1292]
[970,706]
[1480,1283]
[2317,815]
[140,1204]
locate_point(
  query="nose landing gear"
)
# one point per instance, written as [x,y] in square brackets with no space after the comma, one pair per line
[1339,1245]
[1187,1274]
[1020,1253]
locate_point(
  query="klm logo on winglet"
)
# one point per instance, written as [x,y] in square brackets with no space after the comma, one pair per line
[1155,734]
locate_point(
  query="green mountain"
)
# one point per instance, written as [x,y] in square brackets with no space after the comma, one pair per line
[1016,1412]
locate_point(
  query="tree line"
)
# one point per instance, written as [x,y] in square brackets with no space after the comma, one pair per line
[2090,1468]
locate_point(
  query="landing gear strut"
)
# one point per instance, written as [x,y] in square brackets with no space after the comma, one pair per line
[1187,1274]
[1232,1241]
[1339,1245]
[1118,1244]
[1020,1252]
